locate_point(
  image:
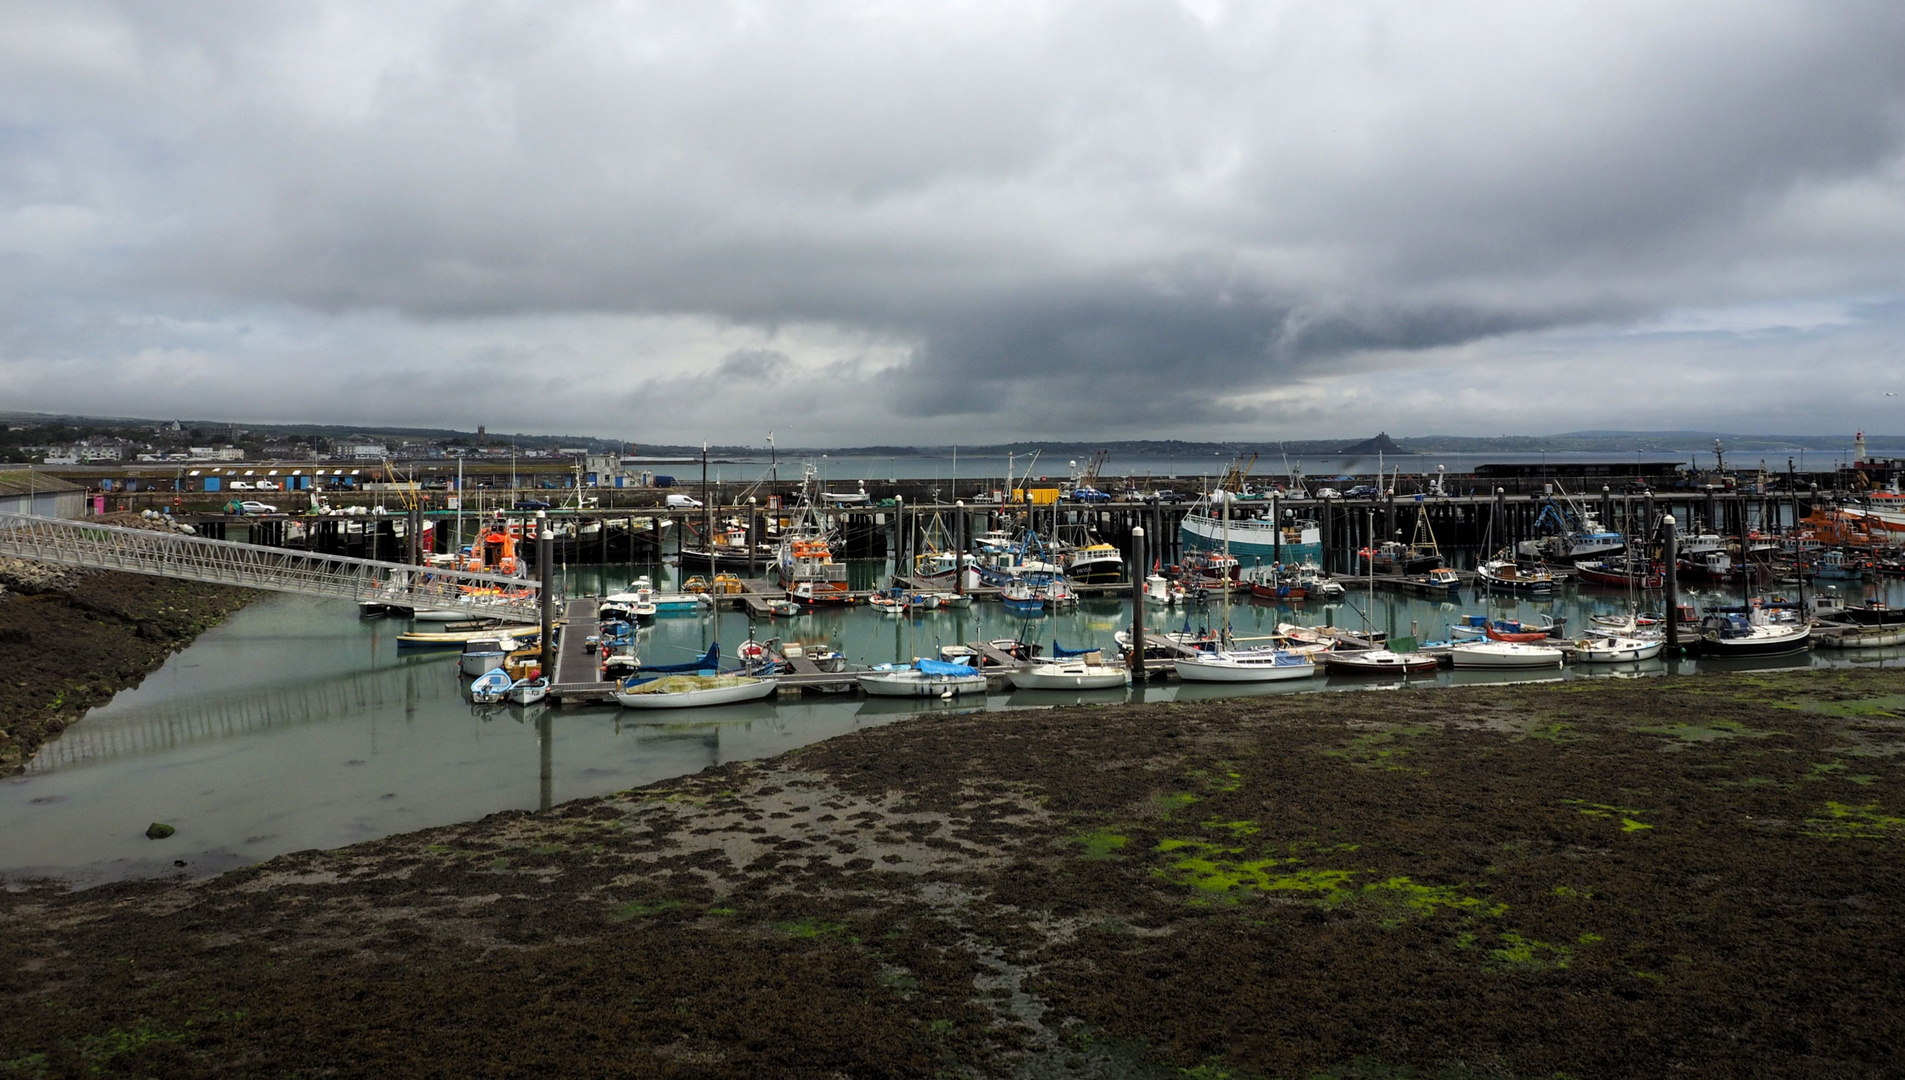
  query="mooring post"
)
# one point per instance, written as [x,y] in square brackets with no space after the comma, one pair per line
[1276,532]
[753,538]
[1138,674]
[1670,554]
[958,546]
[545,569]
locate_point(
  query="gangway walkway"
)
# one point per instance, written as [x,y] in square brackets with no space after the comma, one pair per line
[251,566]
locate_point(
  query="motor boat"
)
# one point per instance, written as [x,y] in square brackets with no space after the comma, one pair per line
[1503,654]
[1070,674]
[1245,665]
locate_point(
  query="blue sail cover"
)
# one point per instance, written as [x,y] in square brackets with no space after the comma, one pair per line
[1060,650]
[941,667]
[710,662]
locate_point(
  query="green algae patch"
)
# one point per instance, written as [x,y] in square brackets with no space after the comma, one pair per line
[1709,731]
[1568,892]
[1221,779]
[809,928]
[1629,817]
[1892,706]
[1526,954]
[1555,733]
[1101,844]
[636,909]
[1205,868]
[1836,770]
[1236,828]
[1417,899]
[1383,749]
[1843,821]
[1173,802]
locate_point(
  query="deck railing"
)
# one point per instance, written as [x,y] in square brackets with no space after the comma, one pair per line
[251,566]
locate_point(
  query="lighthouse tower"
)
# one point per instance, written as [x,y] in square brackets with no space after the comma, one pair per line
[1858,448]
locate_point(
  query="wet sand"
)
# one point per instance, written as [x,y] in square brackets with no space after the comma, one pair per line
[1698,876]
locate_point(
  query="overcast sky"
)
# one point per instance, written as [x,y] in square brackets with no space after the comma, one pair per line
[925,222]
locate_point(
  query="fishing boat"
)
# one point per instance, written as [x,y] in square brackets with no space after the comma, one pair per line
[1619,572]
[1570,531]
[1835,566]
[1159,589]
[1507,575]
[1377,662]
[1503,654]
[1254,533]
[922,679]
[805,558]
[1616,650]
[685,691]
[1021,597]
[1095,564]
[490,687]
[1441,579]
[1245,666]
[1071,673]
[729,549]
[528,691]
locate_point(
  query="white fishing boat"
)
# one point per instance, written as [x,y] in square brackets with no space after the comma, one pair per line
[528,691]
[490,686]
[1616,650]
[1070,675]
[1507,575]
[1503,654]
[686,691]
[923,679]
[1245,665]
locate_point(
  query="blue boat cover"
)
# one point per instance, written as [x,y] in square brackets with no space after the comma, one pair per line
[941,667]
[1060,650]
[710,662]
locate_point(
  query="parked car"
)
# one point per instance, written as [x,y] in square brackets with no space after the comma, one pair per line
[1327,493]
[1362,491]
[532,504]
[1167,496]
[1636,487]
[253,506]
[1088,495]
[683,502]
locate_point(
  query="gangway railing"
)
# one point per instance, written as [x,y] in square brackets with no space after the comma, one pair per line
[253,566]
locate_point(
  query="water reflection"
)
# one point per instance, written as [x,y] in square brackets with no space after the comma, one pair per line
[296,725]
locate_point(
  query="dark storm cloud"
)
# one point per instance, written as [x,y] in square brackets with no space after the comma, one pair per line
[1071,214]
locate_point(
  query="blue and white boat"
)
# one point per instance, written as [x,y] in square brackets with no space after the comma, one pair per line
[923,679]
[491,686]
[1571,532]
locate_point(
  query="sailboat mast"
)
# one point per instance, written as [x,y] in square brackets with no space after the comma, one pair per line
[1224,568]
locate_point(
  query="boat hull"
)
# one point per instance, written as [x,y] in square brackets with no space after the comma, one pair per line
[1249,540]
[1504,654]
[914,684]
[1378,662]
[1070,677]
[1217,669]
[694,691]
[1759,644]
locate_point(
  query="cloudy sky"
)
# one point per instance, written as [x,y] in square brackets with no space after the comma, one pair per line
[858,222]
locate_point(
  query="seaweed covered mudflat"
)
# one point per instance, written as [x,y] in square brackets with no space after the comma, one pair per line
[1692,876]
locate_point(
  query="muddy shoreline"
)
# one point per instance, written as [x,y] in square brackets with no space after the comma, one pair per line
[71,639]
[1698,876]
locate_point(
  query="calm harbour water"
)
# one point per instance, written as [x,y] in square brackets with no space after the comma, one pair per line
[296,725]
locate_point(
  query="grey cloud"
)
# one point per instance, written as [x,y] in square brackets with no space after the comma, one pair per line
[1118,210]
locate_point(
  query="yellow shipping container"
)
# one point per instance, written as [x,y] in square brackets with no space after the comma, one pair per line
[1035,496]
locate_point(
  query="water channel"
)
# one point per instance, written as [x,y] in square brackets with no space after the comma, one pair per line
[296,725]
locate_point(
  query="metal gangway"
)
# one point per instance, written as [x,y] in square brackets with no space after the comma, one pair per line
[253,566]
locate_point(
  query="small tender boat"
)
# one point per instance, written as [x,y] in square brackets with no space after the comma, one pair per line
[783,608]
[1245,665]
[1503,654]
[1503,574]
[1377,662]
[683,691]
[923,679]
[528,691]
[1616,650]
[489,687]
[484,653]
[1020,598]
[1070,675]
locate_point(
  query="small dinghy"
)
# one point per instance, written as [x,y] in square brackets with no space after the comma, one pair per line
[691,691]
[528,691]
[491,686]
[923,679]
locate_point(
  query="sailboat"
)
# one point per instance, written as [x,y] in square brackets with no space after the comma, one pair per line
[1379,661]
[1241,665]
